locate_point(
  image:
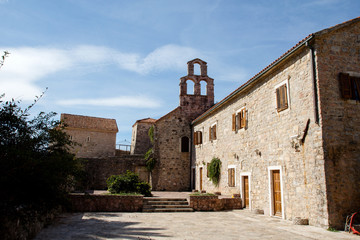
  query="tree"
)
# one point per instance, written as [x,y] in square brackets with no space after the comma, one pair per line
[149,155]
[36,167]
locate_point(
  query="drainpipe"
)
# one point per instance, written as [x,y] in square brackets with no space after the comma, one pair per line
[314,77]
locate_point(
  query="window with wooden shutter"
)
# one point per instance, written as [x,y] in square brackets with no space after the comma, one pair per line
[281,98]
[243,118]
[231,177]
[239,120]
[212,132]
[349,86]
[199,137]
[234,122]
[195,138]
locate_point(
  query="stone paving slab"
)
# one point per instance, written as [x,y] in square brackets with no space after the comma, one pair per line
[236,224]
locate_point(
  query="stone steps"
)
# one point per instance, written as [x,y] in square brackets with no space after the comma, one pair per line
[166,205]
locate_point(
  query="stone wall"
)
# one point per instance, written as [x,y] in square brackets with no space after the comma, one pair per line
[26,223]
[214,203]
[92,144]
[339,51]
[100,169]
[270,141]
[105,203]
[140,142]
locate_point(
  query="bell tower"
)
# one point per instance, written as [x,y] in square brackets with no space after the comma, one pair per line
[197,101]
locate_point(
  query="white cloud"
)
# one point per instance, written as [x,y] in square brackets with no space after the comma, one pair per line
[26,65]
[124,101]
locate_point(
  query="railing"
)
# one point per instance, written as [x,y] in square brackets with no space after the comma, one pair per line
[125,148]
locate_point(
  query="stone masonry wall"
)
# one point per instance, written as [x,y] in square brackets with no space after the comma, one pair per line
[105,203]
[214,203]
[93,144]
[140,142]
[172,172]
[100,169]
[270,141]
[339,51]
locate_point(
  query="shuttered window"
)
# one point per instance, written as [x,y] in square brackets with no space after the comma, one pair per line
[197,137]
[212,133]
[231,177]
[239,120]
[349,86]
[281,98]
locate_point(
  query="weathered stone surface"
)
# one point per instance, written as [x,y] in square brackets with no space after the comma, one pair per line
[100,169]
[140,141]
[96,137]
[214,203]
[105,203]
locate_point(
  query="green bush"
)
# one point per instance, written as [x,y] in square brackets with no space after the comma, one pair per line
[128,183]
[215,170]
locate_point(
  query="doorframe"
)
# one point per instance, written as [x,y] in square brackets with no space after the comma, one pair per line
[201,178]
[271,197]
[242,190]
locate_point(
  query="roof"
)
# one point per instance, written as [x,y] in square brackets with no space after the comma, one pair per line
[145,120]
[90,123]
[271,66]
[174,110]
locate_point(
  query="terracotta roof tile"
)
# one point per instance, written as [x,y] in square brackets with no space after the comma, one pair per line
[86,122]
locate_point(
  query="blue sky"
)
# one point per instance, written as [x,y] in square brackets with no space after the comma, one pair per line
[123,59]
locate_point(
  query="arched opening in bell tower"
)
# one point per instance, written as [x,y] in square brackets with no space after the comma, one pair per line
[190,87]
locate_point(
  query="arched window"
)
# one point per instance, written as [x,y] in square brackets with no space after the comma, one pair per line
[203,85]
[197,69]
[190,87]
[185,144]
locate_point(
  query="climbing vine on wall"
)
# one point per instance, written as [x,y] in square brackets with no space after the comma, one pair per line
[149,155]
[215,170]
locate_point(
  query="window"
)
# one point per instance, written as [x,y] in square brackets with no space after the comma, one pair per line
[231,176]
[197,137]
[239,120]
[281,98]
[185,144]
[212,132]
[350,86]
[88,139]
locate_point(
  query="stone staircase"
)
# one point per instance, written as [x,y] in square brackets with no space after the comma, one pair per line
[152,204]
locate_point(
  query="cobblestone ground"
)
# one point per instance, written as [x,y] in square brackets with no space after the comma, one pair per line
[237,224]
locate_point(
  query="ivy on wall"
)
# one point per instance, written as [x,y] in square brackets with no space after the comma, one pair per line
[215,170]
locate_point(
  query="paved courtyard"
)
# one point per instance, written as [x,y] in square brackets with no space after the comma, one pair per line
[237,224]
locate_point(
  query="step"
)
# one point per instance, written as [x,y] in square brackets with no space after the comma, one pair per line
[165,206]
[166,203]
[169,210]
[164,199]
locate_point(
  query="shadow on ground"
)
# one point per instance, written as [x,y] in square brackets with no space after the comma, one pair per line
[98,226]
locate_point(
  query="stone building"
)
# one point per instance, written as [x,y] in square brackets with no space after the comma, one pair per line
[172,132]
[96,136]
[140,141]
[289,138]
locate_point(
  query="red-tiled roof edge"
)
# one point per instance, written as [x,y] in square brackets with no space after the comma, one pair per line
[114,129]
[273,64]
[145,120]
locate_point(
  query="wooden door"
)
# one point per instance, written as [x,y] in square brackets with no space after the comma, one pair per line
[201,177]
[276,192]
[246,191]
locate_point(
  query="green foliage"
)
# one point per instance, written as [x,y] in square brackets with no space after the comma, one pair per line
[151,134]
[127,183]
[36,166]
[215,170]
[149,155]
